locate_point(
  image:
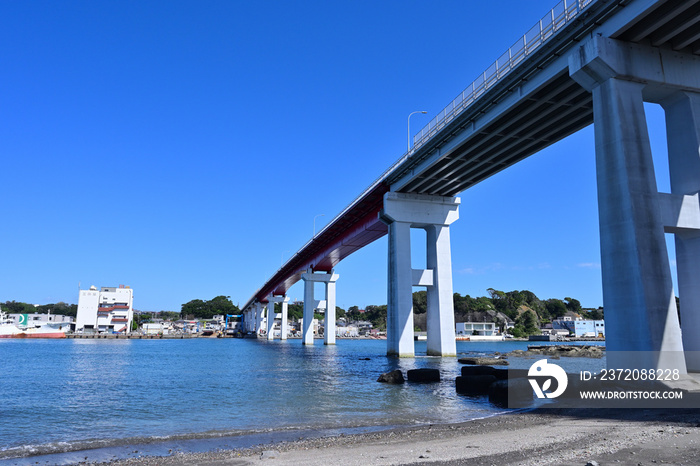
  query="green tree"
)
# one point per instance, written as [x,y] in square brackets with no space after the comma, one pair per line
[354,314]
[555,308]
[420,302]
[14,307]
[295,311]
[573,305]
[377,316]
[136,322]
[58,308]
[507,303]
[194,309]
[221,305]
[594,314]
[526,324]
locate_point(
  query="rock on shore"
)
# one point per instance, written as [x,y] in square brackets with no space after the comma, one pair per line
[483,361]
[394,377]
[584,351]
[423,375]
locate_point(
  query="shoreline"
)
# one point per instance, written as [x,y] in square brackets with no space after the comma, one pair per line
[536,437]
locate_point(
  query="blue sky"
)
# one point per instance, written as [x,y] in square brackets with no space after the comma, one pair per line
[184,148]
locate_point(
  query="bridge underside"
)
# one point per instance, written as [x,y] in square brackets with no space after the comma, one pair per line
[559,108]
[357,228]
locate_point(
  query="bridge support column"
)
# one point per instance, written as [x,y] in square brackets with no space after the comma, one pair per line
[329,331]
[284,328]
[284,301]
[311,304]
[258,317]
[307,332]
[250,322]
[441,324]
[683,133]
[434,214]
[270,319]
[642,326]
[244,320]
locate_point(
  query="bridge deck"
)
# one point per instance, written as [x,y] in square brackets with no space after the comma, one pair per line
[503,117]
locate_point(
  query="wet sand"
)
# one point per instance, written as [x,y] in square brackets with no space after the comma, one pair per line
[541,437]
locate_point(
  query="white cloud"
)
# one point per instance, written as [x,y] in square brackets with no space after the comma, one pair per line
[589,265]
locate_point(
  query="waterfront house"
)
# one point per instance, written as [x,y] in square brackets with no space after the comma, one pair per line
[589,328]
[476,328]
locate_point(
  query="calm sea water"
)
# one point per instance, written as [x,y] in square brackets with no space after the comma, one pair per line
[65,395]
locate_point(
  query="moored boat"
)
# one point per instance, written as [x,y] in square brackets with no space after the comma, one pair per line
[47,330]
[8,329]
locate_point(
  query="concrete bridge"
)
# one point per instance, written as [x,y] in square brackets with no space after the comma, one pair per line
[586,61]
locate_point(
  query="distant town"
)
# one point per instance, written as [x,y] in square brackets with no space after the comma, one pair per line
[109,311]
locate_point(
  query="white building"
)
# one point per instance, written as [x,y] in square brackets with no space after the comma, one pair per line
[476,328]
[107,310]
[159,328]
[589,328]
[347,331]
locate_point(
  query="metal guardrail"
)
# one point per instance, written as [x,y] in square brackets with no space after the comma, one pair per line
[558,17]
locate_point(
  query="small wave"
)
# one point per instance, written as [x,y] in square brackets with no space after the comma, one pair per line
[25,451]
[100,450]
[92,444]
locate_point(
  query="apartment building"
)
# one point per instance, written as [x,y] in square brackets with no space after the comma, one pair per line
[109,310]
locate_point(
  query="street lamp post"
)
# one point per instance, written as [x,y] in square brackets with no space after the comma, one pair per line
[319,215]
[408,149]
[285,252]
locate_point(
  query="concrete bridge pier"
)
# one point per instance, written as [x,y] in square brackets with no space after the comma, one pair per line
[311,304]
[284,301]
[434,214]
[270,319]
[284,326]
[245,319]
[683,131]
[258,309]
[642,325]
[250,320]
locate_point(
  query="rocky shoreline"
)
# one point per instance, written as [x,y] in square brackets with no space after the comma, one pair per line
[557,351]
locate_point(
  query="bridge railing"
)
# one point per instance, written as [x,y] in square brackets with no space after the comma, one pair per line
[564,12]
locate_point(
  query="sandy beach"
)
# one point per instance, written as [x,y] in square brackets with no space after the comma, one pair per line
[541,437]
